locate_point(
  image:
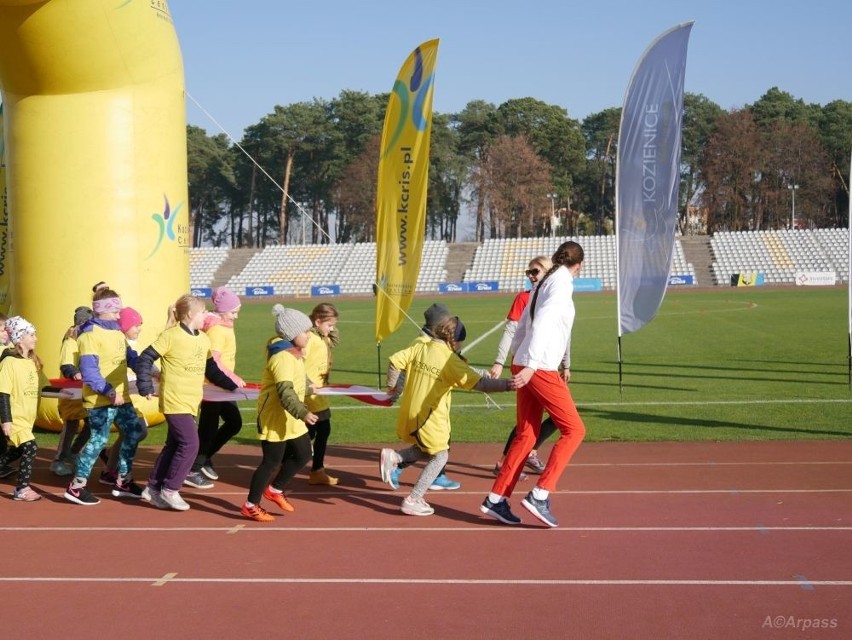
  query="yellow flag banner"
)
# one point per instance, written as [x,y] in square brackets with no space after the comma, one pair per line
[5,236]
[401,190]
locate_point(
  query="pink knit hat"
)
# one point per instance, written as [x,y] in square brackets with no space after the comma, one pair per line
[225,300]
[128,318]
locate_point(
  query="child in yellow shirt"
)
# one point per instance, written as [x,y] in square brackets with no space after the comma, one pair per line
[322,338]
[282,415]
[433,369]
[21,378]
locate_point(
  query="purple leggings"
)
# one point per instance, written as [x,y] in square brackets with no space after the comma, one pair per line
[178,454]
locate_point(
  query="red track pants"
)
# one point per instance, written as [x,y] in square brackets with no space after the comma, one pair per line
[546,391]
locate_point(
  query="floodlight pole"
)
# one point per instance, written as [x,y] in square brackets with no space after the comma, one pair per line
[793,188]
[552,197]
[379,365]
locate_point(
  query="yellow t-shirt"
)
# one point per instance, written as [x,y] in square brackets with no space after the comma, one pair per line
[224,340]
[69,353]
[183,358]
[110,348]
[317,369]
[275,423]
[20,379]
[432,371]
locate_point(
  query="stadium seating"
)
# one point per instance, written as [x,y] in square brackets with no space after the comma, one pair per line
[505,259]
[291,270]
[780,254]
[203,263]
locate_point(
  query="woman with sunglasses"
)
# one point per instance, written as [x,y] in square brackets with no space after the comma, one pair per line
[536,269]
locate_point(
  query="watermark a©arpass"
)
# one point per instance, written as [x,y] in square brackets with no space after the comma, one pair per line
[796,622]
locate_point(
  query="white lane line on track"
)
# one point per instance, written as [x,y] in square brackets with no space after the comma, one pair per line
[161,582]
[471,345]
[596,492]
[468,529]
[590,405]
[445,581]
[574,465]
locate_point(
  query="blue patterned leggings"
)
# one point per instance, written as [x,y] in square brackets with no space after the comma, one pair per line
[101,420]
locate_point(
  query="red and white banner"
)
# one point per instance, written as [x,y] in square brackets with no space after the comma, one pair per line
[72,390]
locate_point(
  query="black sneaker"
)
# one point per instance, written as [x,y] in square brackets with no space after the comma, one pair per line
[209,471]
[6,471]
[81,495]
[500,511]
[196,479]
[540,509]
[108,477]
[127,490]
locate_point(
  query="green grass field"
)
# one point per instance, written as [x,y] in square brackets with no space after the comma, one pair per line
[727,364]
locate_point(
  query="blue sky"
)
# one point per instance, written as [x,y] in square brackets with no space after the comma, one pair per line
[242,58]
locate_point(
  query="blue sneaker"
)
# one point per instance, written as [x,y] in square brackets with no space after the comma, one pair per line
[500,511]
[393,480]
[540,509]
[443,483]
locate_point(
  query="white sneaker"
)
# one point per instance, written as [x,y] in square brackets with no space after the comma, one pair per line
[26,494]
[416,507]
[387,463]
[152,496]
[173,500]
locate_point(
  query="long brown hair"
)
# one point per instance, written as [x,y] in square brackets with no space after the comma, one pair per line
[324,311]
[567,255]
[446,330]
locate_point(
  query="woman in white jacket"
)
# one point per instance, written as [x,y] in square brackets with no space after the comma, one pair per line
[542,339]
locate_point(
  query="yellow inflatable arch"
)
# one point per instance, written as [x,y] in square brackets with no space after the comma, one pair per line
[95,158]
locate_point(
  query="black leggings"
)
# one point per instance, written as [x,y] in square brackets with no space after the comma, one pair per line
[212,437]
[290,456]
[319,432]
[27,453]
[547,430]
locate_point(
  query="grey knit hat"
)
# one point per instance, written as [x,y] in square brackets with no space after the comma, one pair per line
[290,322]
[434,314]
[81,315]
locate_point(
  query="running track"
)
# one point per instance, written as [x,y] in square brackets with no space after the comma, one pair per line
[661,540]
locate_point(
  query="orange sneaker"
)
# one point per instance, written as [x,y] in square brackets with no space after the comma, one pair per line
[256,512]
[278,498]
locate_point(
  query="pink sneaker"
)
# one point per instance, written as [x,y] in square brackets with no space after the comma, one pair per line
[27,494]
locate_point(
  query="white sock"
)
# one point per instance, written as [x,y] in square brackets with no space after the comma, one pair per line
[494,498]
[539,493]
[274,490]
